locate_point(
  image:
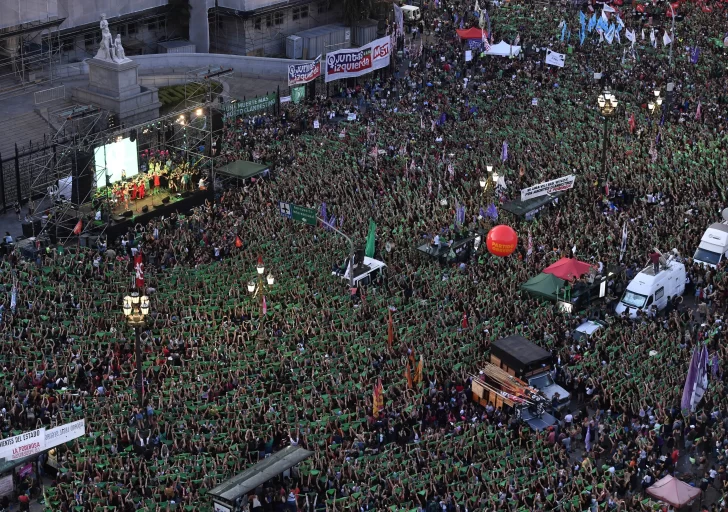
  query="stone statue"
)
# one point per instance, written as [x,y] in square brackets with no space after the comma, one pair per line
[120,53]
[106,50]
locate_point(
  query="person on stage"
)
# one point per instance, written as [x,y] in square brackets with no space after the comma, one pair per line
[141,189]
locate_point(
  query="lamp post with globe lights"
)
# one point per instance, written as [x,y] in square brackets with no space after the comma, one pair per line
[607,103]
[136,310]
[260,285]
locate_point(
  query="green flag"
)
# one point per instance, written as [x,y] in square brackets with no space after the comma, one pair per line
[369,250]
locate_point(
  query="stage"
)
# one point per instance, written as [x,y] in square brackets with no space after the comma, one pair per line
[158,205]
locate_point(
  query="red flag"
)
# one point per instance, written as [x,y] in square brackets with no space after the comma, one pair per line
[79,227]
[390,330]
[238,242]
[632,124]
[378,398]
[139,269]
[408,375]
[465,320]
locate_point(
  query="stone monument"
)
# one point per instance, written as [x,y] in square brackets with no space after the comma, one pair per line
[114,83]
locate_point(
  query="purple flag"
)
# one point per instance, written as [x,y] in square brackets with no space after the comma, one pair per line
[695,55]
[492,212]
[461,215]
[482,213]
[686,402]
[504,152]
[341,221]
[443,118]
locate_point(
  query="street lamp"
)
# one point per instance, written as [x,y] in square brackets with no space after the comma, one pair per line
[136,309]
[261,285]
[607,103]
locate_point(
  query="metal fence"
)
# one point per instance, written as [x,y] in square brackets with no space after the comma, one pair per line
[52,94]
[23,171]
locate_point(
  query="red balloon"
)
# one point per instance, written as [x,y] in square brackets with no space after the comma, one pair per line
[501,241]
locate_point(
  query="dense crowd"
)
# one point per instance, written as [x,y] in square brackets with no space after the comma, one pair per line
[230,378]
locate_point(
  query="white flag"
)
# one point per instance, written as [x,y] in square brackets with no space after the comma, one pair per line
[643,34]
[630,35]
[13,299]
[608,8]
[653,39]
[555,58]
[616,36]
[623,246]
[477,6]
[666,39]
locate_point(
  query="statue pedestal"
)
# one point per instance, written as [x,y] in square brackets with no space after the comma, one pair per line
[115,87]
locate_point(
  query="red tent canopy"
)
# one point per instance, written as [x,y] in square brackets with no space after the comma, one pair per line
[567,269]
[673,491]
[471,33]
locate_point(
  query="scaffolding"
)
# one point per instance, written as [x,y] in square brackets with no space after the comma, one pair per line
[25,50]
[185,134]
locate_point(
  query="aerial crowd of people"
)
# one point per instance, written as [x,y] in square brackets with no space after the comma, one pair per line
[230,378]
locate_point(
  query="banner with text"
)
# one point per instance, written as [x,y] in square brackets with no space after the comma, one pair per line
[249,106]
[304,73]
[23,445]
[64,433]
[358,61]
[548,187]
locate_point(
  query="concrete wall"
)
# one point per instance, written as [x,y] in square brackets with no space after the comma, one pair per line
[180,63]
[249,5]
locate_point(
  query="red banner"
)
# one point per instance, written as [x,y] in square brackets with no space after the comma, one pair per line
[139,269]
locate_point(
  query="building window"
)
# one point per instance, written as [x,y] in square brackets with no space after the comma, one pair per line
[257,23]
[323,7]
[268,20]
[131,28]
[278,18]
[300,13]
[119,29]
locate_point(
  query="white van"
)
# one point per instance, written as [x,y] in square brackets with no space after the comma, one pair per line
[648,289]
[713,245]
[411,14]
[365,273]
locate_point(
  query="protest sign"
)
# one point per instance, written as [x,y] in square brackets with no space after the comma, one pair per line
[304,73]
[555,58]
[23,445]
[358,61]
[548,187]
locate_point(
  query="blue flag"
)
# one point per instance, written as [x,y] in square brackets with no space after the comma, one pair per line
[582,19]
[592,22]
[582,35]
[563,31]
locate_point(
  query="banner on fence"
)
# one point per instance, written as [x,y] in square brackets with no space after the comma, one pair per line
[548,187]
[249,106]
[354,62]
[23,445]
[303,73]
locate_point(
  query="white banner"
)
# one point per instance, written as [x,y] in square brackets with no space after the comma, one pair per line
[23,445]
[358,61]
[555,58]
[399,19]
[548,187]
[64,433]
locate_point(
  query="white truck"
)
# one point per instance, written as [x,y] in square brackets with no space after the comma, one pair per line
[649,289]
[713,246]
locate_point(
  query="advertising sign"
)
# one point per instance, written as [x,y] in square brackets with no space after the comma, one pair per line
[354,62]
[548,187]
[304,73]
[23,445]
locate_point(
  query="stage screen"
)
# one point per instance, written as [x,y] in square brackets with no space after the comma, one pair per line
[116,157]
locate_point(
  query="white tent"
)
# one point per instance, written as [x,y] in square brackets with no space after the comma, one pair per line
[504,49]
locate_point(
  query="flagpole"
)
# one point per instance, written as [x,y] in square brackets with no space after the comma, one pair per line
[672,41]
